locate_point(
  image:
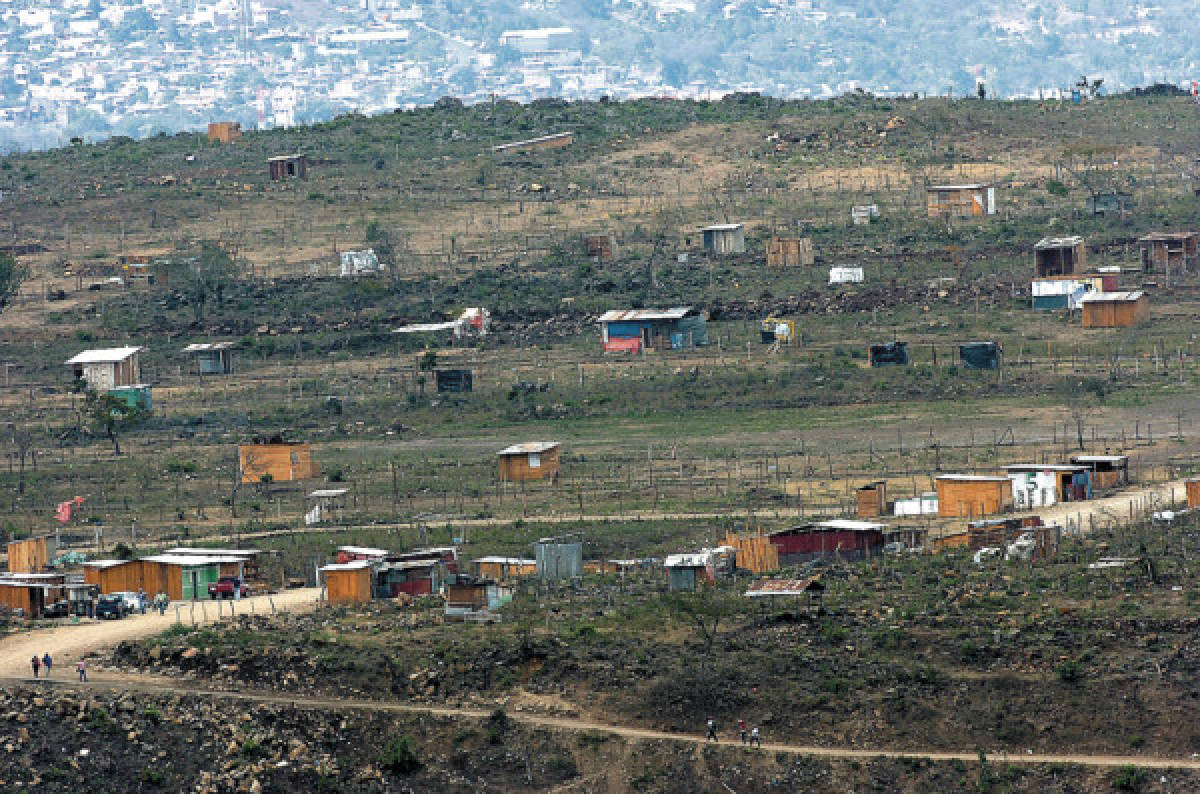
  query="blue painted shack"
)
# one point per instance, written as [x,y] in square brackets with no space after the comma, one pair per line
[634,330]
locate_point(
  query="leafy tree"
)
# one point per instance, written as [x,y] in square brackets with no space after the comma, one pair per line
[111,415]
[12,274]
[203,273]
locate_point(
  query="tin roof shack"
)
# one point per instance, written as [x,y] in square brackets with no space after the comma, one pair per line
[980,355]
[532,460]
[634,330]
[457,381]
[1059,256]
[554,141]
[276,460]
[872,500]
[687,572]
[811,590]
[862,214]
[724,238]
[755,551]
[973,495]
[212,358]
[1170,253]
[1064,292]
[1108,471]
[31,555]
[502,568]
[224,131]
[446,555]
[1041,541]
[346,554]
[30,593]
[790,252]
[107,368]
[845,275]
[242,563]
[1114,309]
[390,578]
[184,577]
[963,201]
[476,601]
[347,582]
[1114,201]
[288,166]
[601,247]
[844,538]
[1043,484]
[924,505]
[890,354]
[559,558]
[358,263]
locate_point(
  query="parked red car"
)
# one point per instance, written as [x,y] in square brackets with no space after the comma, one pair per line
[224,587]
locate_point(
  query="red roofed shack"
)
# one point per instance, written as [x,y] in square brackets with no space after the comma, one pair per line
[850,540]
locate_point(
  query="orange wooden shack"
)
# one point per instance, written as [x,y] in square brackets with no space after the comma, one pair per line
[224,131]
[973,495]
[872,500]
[347,582]
[789,251]
[1193,492]
[532,460]
[31,555]
[1114,309]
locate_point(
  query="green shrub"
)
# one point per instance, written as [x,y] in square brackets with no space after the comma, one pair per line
[1069,671]
[399,756]
[1128,778]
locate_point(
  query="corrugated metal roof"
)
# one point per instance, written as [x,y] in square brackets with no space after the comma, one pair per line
[1043,467]
[424,327]
[199,551]
[364,550]
[326,493]
[1099,458]
[971,478]
[104,563]
[506,560]
[970,186]
[528,447]
[1112,297]
[722,227]
[844,524]
[204,347]
[192,559]
[104,355]
[784,587]
[630,315]
[1057,242]
[692,560]
[356,565]
[1166,236]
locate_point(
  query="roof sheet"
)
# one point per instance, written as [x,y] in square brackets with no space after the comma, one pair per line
[506,560]
[203,347]
[325,493]
[200,551]
[372,552]
[1163,236]
[103,355]
[192,559]
[424,327]
[784,587]
[842,524]
[104,563]
[1100,458]
[356,565]
[696,559]
[626,315]
[965,186]
[722,227]
[1057,242]
[972,477]
[1112,297]
[527,447]
[1044,467]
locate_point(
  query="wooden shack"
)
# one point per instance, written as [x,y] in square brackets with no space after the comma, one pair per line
[1108,471]
[790,252]
[502,568]
[22,594]
[602,247]
[347,583]
[107,368]
[635,330]
[277,461]
[288,166]
[724,238]
[872,500]
[1169,252]
[1114,309]
[973,495]
[31,555]
[755,551]
[182,577]
[531,460]
[1192,486]
[1059,256]
[963,201]
[224,131]
[212,358]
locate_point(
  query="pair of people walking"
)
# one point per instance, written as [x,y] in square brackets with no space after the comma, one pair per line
[44,663]
[750,736]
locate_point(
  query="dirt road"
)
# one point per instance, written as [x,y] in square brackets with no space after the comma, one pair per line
[68,642]
[154,685]
[1113,508]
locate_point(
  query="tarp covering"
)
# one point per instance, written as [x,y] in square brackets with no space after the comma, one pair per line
[980,355]
[889,355]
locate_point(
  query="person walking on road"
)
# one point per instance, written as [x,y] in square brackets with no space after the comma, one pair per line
[81,668]
[47,662]
[712,731]
[742,730]
[755,738]
[35,663]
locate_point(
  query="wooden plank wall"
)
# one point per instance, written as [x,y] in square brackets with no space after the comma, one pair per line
[28,556]
[348,587]
[284,462]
